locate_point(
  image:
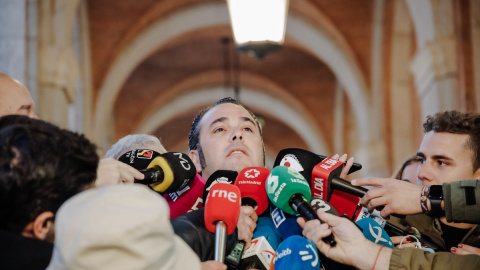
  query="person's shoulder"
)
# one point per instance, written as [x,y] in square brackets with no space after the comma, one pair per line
[19,252]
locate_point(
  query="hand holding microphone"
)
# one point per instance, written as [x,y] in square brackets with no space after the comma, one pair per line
[289,191]
[352,247]
[303,161]
[111,171]
[394,196]
[164,173]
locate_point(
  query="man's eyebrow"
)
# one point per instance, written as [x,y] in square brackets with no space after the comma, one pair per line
[434,157]
[25,107]
[420,154]
[218,120]
[246,119]
[223,119]
[437,157]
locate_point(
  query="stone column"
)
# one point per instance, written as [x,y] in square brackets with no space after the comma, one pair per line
[58,68]
[13,38]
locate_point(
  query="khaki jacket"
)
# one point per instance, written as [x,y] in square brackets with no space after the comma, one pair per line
[413,258]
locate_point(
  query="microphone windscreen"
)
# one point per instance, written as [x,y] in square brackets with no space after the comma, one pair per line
[282,184]
[319,204]
[183,170]
[251,182]
[139,158]
[220,176]
[286,224]
[296,253]
[374,232]
[186,199]
[298,160]
[222,204]
[267,229]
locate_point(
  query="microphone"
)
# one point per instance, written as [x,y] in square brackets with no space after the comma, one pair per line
[374,232]
[286,224]
[220,176]
[139,158]
[258,256]
[326,178]
[164,173]
[319,204]
[328,183]
[289,191]
[186,199]
[296,253]
[222,210]
[251,182]
[299,160]
[346,204]
[303,161]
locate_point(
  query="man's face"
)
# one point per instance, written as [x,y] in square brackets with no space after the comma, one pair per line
[445,157]
[230,140]
[15,98]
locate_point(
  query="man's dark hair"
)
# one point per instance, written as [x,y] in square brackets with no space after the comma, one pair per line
[41,166]
[194,135]
[458,123]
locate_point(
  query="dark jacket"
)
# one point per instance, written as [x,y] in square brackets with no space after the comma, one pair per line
[19,252]
[191,228]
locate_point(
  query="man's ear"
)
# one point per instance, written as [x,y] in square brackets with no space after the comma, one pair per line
[196,159]
[41,228]
[476,174]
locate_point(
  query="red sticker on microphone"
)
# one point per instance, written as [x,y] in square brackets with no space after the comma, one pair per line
[146,154]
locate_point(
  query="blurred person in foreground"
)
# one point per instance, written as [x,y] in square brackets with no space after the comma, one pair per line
[41,166]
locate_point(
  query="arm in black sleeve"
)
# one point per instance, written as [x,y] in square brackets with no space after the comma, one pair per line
[191,228]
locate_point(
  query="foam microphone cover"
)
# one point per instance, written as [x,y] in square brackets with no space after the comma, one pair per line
[286,224]
[220,176]
[186,199]
[139,158]
[296,253]
[266,228]
[298,160]
[222,204]
[374,232]
[282,184]
[183,170]
[322,175]
[251,182]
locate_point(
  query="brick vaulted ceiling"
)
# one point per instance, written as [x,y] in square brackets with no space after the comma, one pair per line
[200,54]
